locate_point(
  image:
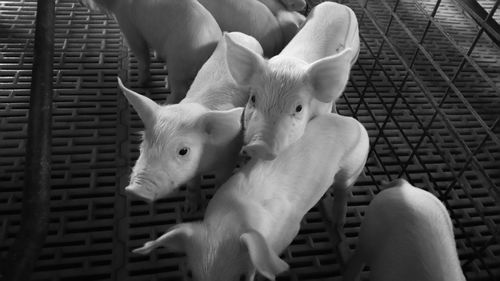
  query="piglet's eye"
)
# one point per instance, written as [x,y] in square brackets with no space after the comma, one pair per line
[252,98]
[183,151]
[298,108]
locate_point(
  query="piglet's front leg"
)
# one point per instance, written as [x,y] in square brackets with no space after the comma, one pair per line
[194,200]
[340,196]
[326,208]
[334,207]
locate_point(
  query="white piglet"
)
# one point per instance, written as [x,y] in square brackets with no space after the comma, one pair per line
[214,86]
[406,234]
[289,22]
[273,26]
[201,134]
[183,33]
[256,214]
[302,82]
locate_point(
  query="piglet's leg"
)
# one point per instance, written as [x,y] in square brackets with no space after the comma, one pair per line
[143,65]
[341,185]
[178,86]
[151,245]
[139,48]
[340,196]
[335,209]
[193,195]
[250,276]
[354,266]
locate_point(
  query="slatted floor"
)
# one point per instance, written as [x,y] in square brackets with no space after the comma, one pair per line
[438,131]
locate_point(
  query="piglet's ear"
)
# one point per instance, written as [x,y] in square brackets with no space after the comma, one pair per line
[222,126]
[265,260]
[328,76]
[145,107]
[243,63]
[175,240]
[245,40]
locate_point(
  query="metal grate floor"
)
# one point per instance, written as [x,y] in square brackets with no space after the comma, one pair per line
[431,112]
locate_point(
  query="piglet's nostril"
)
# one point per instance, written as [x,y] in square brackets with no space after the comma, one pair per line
[260,150]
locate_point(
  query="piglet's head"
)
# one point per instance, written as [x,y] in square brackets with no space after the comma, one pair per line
[285,94]
[176,142]
[220,256]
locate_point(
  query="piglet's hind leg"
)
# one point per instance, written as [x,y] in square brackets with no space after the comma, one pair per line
[141,51]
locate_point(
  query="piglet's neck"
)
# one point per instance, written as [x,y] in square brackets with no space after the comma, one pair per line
[218,157]
[323,107]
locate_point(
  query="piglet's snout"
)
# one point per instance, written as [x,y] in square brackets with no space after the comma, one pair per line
[260,149]
[136,192]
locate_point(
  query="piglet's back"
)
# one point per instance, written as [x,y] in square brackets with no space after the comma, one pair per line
[294,182]
[418,241]
[329,29]
[333,146]
[213,86]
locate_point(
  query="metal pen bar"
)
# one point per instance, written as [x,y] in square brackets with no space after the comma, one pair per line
[379,51]
[372,145]
[397,89]
[446,94]
[24,252]
[446,79]
[429,174]
[469,160]
[432,102]
[379,128]
[354,115]
[477,252]
[381,132]
[455,45]
[425,132]
[477,12]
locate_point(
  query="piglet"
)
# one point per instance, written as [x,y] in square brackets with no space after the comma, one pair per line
[256,214]
[406,234]
[288,21]
[266,20]
[201,134]
[302,82]
[183,33]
